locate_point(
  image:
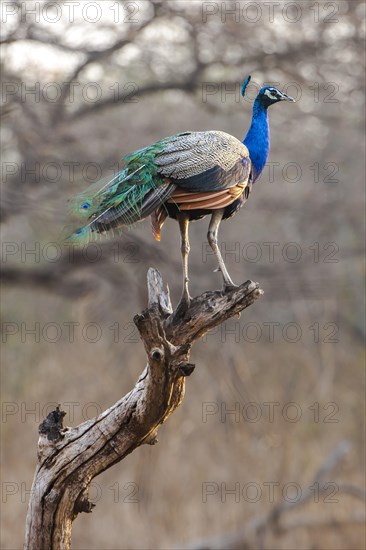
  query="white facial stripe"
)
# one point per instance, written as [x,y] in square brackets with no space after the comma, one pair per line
[268,93]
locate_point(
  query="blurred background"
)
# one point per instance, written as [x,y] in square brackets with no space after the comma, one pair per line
[274,412]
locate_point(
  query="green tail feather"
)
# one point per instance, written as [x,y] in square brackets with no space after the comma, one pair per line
[117,202]
[85,204]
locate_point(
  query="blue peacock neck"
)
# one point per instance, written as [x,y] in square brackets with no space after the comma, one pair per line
[257,138]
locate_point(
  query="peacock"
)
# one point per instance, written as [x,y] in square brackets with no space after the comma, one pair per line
[185,177]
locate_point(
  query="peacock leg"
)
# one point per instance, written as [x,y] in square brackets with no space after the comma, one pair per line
[183,219]
[212,239]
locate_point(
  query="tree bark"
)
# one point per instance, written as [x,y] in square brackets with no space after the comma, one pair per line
[69,458]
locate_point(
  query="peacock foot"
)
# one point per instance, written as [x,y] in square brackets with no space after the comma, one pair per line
[184,303]
[226,287]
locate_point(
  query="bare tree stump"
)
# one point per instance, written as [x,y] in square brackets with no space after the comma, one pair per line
[69,458]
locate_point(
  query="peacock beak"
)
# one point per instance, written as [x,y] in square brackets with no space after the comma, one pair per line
[285,97]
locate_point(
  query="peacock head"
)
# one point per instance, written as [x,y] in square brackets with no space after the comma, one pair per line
[268,95]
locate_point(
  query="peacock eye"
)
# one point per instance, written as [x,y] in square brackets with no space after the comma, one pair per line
[85,206]
[78,232]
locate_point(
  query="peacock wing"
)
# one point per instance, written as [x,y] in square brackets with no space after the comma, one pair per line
[204,161]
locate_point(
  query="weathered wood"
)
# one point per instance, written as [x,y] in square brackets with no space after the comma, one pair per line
[69,458]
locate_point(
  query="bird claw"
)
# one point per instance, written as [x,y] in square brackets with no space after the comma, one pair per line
[185,301]
[229,286]
[183,306]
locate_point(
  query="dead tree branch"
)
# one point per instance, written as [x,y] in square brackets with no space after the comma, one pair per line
[69,458]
